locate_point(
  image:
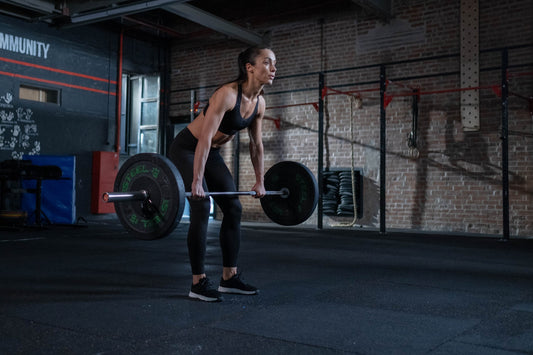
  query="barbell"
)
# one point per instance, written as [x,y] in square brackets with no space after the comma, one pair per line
[149,195]
[143,195]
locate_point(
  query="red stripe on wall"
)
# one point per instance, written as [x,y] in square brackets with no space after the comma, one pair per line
[58,83]
[56,70]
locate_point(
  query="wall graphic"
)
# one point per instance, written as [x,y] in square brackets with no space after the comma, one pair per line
[18,130]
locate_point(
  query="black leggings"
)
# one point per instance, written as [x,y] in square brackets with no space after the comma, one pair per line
[217,177]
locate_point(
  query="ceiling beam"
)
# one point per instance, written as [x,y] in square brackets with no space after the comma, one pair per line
[106,14]
[34,5]
[78,6]
[215,23]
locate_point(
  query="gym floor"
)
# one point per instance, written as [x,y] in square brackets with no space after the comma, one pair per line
[95,290]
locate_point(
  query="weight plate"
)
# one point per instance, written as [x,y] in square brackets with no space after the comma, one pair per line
[303,193]
[160,178]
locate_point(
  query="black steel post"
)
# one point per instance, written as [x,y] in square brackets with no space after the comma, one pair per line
[383,152]
[193,102]
[320,149]
[505,144]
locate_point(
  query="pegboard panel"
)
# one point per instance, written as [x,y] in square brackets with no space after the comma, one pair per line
[470,64]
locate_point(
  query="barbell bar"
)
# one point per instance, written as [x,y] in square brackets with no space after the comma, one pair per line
[149,195]
[143,195]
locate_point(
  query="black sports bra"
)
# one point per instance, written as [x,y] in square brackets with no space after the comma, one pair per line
[232,122]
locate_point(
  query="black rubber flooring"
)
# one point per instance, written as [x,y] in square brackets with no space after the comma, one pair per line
[96,290]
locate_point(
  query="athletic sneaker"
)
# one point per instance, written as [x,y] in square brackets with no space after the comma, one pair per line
[236,285]
[205,291]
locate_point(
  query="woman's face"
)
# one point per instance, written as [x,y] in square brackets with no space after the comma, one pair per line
[264,69]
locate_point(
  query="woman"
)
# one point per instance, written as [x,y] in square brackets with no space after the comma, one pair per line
[196,152]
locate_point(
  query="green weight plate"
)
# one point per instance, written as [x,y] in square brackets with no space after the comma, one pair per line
[160,178]
[303,193]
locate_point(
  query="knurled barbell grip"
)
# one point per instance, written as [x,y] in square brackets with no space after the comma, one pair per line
[143,195]
[283,193]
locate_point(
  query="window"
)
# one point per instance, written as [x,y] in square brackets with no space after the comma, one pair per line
[141,110]
[33,93]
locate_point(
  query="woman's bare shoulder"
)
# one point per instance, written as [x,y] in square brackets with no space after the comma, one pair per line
[227,94]
[228,88]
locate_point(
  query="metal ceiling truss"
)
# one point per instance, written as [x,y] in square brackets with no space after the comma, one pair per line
[117,11]
[216,23]
[177,7]
[33,10]
[40,6]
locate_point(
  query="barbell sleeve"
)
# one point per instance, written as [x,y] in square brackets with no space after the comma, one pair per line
[141,195]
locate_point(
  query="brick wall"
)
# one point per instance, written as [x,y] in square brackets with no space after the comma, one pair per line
[454,185]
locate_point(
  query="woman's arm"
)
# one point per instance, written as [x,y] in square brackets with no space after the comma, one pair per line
[205,129]
[256,149]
